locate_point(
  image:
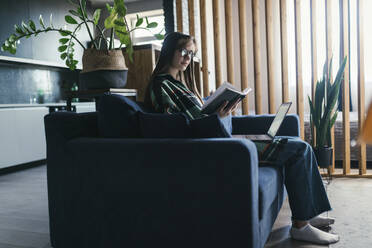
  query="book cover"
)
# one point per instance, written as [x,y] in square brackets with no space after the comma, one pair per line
[226,92]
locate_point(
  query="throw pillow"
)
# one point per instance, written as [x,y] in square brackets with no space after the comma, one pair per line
[155,125]
[117,117]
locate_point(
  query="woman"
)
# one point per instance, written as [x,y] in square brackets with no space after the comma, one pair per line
[172,89]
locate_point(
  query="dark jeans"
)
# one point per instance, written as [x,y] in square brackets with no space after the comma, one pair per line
[306,193]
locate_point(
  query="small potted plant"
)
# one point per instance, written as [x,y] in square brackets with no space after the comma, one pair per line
[323,113]
[103,64]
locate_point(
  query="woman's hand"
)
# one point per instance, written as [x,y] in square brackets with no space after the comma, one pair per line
[222,111]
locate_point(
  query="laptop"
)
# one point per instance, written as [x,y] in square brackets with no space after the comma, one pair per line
[275,125]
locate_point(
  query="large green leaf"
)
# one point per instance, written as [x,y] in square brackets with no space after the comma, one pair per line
[63,40]
[120,8]
[139,21]
[159,36]
[69,19]
[109,22]
[62,48]
[31,24]
[25,27]
[41,21]
[152,25]
[19,30]
[96,16]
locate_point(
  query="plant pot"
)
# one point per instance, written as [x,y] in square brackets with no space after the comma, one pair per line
[103,69]
[323,156]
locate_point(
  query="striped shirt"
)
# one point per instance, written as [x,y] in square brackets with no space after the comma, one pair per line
[169,95]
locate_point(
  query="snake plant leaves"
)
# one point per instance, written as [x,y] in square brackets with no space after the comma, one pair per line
[69,19]
[96,16]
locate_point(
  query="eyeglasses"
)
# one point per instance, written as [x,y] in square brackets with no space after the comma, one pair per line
[185,52]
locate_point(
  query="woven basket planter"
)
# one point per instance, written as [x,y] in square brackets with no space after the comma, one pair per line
[103,69]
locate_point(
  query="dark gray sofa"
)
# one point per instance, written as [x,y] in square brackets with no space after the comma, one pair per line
[129,193]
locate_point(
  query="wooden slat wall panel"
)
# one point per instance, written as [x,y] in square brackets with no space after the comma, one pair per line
[361,83]
[217,42]
[229,41]
[243,52]
[203,27]
[314,56]
[284,49]
[270,56]
[314,47]
[299,76]
[257,55]
[346,90]
[191,9]
[328,13]
[179,15]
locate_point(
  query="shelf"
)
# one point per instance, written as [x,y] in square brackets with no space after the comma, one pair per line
[33,62]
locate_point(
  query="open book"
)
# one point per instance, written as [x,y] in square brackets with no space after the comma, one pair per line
[226,92]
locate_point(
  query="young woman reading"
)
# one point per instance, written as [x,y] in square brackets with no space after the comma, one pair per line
[172,89]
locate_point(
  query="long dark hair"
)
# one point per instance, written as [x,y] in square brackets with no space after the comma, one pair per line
[172,42]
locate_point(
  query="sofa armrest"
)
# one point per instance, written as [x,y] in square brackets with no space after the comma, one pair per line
[162,190]
[260,124]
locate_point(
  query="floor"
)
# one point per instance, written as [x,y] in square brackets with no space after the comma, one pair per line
[24,213]
[352,207]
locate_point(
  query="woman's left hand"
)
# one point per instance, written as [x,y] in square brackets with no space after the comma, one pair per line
[222,111]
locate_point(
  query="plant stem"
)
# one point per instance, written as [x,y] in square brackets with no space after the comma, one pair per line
[111,39]
[52,29]
[86,25]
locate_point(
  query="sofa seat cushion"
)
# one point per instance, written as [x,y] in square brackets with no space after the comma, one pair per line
[117,117]
[268,187]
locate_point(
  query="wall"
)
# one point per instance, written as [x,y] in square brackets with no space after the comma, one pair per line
[20,81]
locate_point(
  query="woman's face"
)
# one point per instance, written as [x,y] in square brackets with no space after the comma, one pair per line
[182,57]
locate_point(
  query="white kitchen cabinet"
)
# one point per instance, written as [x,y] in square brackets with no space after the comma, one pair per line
[22,135]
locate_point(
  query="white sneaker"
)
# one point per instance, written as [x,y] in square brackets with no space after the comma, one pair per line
[311,234]
[321,221]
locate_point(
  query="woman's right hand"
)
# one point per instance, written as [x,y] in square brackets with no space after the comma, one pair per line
[222,112]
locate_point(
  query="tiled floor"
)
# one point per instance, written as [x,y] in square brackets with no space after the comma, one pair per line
[24,213]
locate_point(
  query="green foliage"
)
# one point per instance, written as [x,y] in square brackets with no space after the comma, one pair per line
[322,109]
[78,17]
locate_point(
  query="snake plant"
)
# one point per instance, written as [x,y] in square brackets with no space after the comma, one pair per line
[323,113]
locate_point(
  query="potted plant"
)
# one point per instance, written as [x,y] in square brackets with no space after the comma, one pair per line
[103,64]
[323,113]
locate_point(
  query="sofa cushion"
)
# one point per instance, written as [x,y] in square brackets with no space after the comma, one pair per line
[267,188]
[117,117]
[154,125]
[209,127]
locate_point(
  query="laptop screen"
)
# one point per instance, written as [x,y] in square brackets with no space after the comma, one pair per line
[275,125]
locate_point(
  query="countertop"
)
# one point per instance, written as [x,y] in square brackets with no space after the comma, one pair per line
[52,104]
